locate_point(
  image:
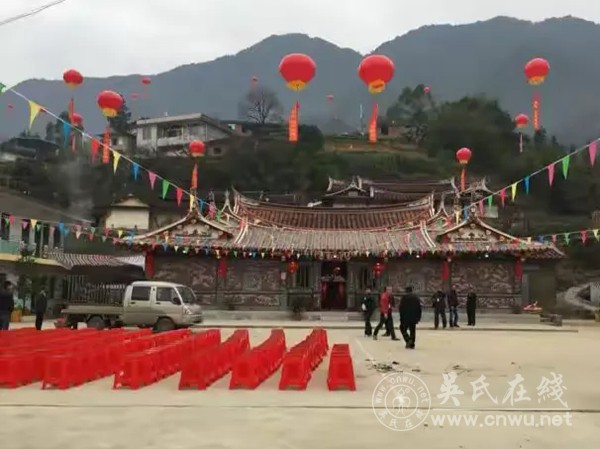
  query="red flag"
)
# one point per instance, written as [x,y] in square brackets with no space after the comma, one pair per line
[502,196]
[536,111]
[293,123]
[592,149]
[194,181]
[583,237]
[373,123]
[179,194]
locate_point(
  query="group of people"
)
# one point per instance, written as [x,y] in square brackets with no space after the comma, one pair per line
[7,306]
[410,311]
[441,299]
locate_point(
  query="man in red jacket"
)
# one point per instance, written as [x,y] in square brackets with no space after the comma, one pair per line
[385,314]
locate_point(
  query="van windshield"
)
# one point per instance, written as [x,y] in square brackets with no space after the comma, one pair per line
[187,294]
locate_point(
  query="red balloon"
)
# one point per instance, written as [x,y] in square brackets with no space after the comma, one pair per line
[376,71]
[463,156]
[10,106]
[110,103]
[427,89]
[537,70]
[72,78]
[77,119]
[135,96]
[196,148]
[521,121]
[146,80]
[297,70]
[330,97]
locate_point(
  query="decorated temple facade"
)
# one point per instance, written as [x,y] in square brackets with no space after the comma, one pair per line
[249,253]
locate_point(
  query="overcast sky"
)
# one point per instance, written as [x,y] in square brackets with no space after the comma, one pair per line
[108,37]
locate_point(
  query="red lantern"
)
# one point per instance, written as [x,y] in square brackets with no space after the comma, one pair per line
[222,268]
[197,148]
[536,71]
[463,156]
[521,121]
[297,70]
[77,119]
[292,266]
[72,78]
[427,89]
[110,103]
[378,269]
[376,71]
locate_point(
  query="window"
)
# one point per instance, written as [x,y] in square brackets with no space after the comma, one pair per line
[303,278]
[218,151]
[140,294]
[165,294]
[146,134]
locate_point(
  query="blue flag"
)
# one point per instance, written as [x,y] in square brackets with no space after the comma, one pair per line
[136,169]
[66,132]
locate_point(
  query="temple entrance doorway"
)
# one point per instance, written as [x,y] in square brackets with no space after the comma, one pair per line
[333,285]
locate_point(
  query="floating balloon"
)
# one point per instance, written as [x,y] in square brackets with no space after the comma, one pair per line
[197,148]
[463,156]
[77,119]
[110,103]
[521,121]
[297,70]
[72,78]
[146,81]
[536,71]
[376,71]
[427,89]
[135,96]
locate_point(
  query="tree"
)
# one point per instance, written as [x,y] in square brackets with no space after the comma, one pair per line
[260,105]
[121,124]
[412,110]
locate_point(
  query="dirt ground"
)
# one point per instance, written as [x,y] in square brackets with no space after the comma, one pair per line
[94,416]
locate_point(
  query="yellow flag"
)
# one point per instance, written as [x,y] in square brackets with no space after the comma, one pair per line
[33,222]
[457,216]
[192,201]
[34,110]
[595,231]
[528,239]
[120,233]
[116,157]
[513,191]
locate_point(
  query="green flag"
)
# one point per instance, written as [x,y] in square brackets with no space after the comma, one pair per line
[490,201]
[565,166]
[2,87]
[165,188]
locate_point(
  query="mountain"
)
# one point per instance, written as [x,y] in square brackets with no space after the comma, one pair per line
[480,58]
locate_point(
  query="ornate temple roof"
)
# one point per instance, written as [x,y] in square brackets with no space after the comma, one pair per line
[325,218]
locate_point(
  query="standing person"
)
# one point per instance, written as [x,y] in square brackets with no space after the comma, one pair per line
[7,305]
[471,307]
[384,311]
[367,307]
[439,309]
[410,315]
[41,304]
[389,325]
[453,305]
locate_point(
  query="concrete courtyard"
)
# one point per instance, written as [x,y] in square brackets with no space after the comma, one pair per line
[94,416]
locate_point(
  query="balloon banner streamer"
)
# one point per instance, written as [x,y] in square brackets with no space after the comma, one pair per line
[373,124]
[293,123]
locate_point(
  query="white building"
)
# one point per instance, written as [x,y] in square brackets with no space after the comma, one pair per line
[171,136]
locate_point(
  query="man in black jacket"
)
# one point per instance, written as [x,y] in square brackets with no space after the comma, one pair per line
[368,307]
[410,315]
[471,307]
[41,304]
[453,305]
[439,309]
[7,304]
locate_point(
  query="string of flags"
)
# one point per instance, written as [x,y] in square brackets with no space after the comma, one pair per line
[108,153]
[510,191]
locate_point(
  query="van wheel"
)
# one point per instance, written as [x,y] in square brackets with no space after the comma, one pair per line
[164,325]
[96,322]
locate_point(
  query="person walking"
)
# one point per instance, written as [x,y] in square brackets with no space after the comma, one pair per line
[471,307]
[410,315]
[439,309]
[41,304]
[453,306]
[385,311]
[7,305]
[368,307]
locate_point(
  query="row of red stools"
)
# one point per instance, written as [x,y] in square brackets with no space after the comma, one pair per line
[30,356]
[151,364]
[340,375]
[258,364]
[204,368]
[302,359]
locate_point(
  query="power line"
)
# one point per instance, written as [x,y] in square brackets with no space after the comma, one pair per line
[33,12]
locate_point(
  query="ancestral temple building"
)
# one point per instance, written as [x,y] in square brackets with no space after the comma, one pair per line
[249,253]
